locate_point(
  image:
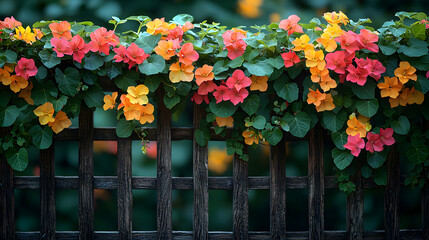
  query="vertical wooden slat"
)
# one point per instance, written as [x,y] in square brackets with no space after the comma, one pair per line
[316,184]
[355,206]
[278,191]
[7,200]
[125,197]
[47,193]
[425,208]
[164,182]
[240,199]
[391,197]
[201,182]
[86,174]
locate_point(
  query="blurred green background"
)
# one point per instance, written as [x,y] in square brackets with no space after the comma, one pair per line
[227,12]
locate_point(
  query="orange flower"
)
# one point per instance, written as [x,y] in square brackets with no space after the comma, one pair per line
[131,111]
[26,94]
[181,72]
[249,8]
[405,72]
[326,104]
[5,76]
[315,59]
[165,49]
[157,26]
[251,137]
[16,83]
[415,96]
[239,30]
[110,101]
[302,43]
[259,83]
[147,114]
[327,83]
[328,41]
[365,121]
[61,29]
[38,33]
[204,74]
[225,121]
[402,99]
[317,74]
[315,97]
[218,160]
[187,26]
[45,113]
[334,30]
[355,127]
[390,87]
[138,94]
[336,18]
[60,122]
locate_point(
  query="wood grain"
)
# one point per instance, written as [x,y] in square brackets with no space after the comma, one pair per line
[391,197]
[7,198]
[47,193]
[278,191]
[125,195]
[355,206]
[240,199]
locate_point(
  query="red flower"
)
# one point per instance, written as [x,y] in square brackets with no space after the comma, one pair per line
[357,74]
[336,61]
[198,99]
[222,93]
[61,46]
[355,144]
[79,48]
[238,80]
[135,55]
[121,54]
[234,43]
[348,41]
[367,40]
[206,87]
[386,136]
[374,67]
[175,33]
[238,96]
[26,68]
[290,58]
[101,40]
[187,54]
[374,142]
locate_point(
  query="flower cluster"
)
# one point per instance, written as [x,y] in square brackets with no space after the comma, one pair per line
[46,112]
[234,43]
[375,142]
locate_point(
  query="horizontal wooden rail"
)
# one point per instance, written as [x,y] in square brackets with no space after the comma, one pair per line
[185,235]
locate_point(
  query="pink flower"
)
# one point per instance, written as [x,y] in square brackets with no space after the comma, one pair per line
[236,50]
[374,67]
[238,96]
[61,46]
[357,74]
[234,43]
[374,142]
[355,144]
[101,40]
[238,80]
[187,54]
[206,87]
[290,58]
[386,136]
[348,41]
[222,93]
[427,75]
[367,40]
[136,55]
[336,61]
[198,99]
[121,54]
[175,33]
[79,48]
[26,68]
[291,24]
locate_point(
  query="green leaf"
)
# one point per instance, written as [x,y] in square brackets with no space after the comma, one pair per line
[49,59]
[152,82]
[299,123]
[18,160]
[274,136]
[222,109]
[41,137]
[388,50]
[423,84]
[380,176]
[125,80]
[277,62]
[417,153]
[259,68]
[148,41]
[202,137]
[367,108]
[251,104]
[366,171]
[10,55]
[259,122]
[219,67]
[419,31]
[125,128]
[93,97]
[402,126]
[93,62]
[365,92]
[334,122]
[415,48]
[44,92]
[377,159]
[294,71]
[152,65]
[342,158]
[68,82]
[182,19]
[113,70]
[170,102]
[8,116]
[237,62]
[60,103]
[339,139]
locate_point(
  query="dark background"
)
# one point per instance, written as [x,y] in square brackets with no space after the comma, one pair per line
[227,12]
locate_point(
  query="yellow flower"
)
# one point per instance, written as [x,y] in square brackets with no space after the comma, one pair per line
[315,59]
[336,18]
[25,34]
[302,43]
[249,8]
[45,113]
[251,137]
[225,121]
[110,101]
[138,94]
[328,42]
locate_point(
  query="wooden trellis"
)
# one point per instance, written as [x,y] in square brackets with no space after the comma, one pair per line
[200,183]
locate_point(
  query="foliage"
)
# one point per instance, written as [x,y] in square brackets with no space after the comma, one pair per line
[366,87]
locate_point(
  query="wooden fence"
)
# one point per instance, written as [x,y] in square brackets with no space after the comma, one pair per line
[200,183]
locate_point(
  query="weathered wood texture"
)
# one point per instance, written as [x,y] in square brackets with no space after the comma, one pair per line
[391,197]
[47,193]
[316,185]
[164,182]
[200,182]
[86,174]
[355,206]
[7,199]
[125,197]
[240,199]
[278,191]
